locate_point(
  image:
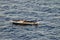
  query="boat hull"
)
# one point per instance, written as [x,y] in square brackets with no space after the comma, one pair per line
[23,24]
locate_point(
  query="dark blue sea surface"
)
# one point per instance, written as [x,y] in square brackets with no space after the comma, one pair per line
[46,12]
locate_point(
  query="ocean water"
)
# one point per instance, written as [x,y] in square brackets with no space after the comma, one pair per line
[46,12]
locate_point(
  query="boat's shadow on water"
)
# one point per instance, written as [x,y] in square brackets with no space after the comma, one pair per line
[26,25]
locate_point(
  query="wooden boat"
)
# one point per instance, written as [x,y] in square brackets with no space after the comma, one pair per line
[24,22]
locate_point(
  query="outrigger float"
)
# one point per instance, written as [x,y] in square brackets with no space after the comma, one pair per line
[24,22]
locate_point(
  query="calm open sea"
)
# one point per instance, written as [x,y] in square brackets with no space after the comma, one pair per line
[46,12]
